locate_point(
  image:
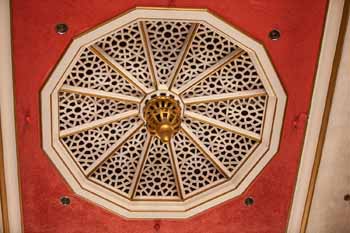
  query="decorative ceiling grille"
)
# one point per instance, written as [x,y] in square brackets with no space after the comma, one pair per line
[97,111]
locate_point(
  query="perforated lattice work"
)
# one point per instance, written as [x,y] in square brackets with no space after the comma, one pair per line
[246,113]
[231,149]
[92,72]
[237,75]
[124,92]
[119,170]
[180,52]
[197,172]
[157,178]
[76,109]
[207,48]
[126,48]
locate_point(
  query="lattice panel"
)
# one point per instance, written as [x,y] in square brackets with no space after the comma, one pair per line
[160,116]
[231,149]
[246,113]
[125,47]
[167,40]
[196,171]
[92,72]
[119,170]
[157,178]
[238,75]
[76,109]
[207,48]
[87,146]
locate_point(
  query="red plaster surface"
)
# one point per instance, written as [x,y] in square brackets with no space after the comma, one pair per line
[37,48]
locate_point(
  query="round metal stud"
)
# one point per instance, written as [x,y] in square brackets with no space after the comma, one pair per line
[274,34]
[249,201]
[347,197]
[65,200]
[61,28]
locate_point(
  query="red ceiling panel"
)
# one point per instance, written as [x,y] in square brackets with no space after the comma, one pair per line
[36,50]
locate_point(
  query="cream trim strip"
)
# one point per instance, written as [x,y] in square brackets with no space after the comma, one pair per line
[229,96]
[319,97]
[113,148]
[120,70]
[210,70]
[100,94]
[7,115]
[94,124]
[222,125]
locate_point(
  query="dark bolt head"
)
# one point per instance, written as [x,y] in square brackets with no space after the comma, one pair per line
[347,197]
[65,200]
[249,201]
[274,34]
[61,28]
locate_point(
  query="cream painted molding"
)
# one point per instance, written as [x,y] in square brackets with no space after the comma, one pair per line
[8,120]
[319,96]
[131,198]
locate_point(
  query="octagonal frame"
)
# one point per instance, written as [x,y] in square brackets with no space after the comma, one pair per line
[141,209]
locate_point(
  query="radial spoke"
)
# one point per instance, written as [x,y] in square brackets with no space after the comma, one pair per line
[118,68]
[101,94]
[183,53]
[113,148]
[222,125]
[221,97]
[176,169]
[147,46]
[210,70]
[140,166]
[205,151]
[96,123]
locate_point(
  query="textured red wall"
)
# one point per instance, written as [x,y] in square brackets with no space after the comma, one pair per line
[37,48]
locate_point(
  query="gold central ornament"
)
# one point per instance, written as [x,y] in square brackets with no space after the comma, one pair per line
[163,117]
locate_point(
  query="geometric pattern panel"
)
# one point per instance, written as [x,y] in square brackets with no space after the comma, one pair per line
[87,146]
[157,178]
[207,48]
[196,171]
[92,72]
[167,40]
[246,113]
[125,47]
[118,171]
[238,75]
[119,87]
[229,148]
[76,109]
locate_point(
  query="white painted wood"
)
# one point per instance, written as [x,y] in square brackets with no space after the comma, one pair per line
[182,54]
[229,96]
[104,56]
[324,69]
[101,94]
[209,71]
[203,200]
[176,170]
[140,165]
[110,150]
[223,125]
[206,151]
[329,211]
[7,116]
[149,54]
[96,123]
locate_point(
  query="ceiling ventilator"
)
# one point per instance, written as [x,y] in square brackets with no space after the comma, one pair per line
[162,113]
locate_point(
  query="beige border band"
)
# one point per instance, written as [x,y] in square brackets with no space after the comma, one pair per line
[13,203]
[318,119]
